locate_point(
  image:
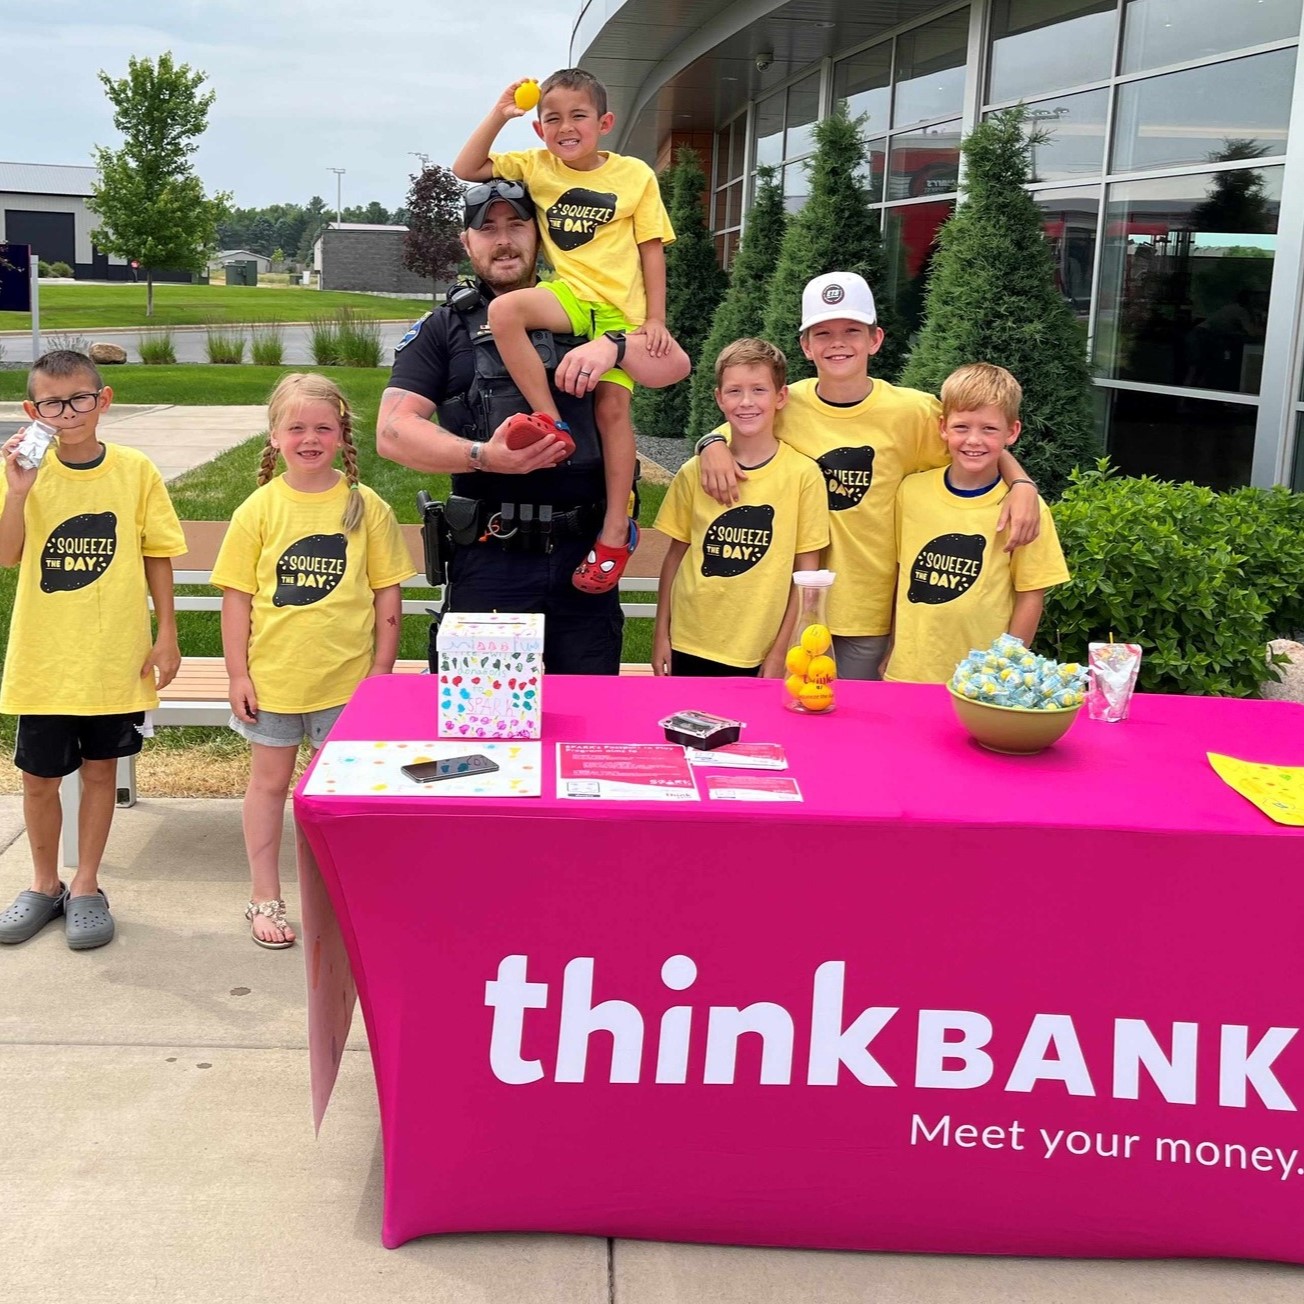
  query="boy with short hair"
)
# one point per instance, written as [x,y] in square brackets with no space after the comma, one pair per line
[729,611]
[957,588]
[604,230]
[91,529]
[865,435]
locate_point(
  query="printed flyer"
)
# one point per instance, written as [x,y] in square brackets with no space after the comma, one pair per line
[741,756]
[751,787]
[624,772]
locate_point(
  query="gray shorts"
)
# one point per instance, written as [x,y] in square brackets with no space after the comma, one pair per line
[859,657]
[273,729]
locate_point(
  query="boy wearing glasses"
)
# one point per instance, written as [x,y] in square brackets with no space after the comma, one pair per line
[92,531]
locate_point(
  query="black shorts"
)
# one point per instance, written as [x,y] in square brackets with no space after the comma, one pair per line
[685,663]
[50,746]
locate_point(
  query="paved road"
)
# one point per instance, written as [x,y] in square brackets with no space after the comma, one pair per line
[190,345]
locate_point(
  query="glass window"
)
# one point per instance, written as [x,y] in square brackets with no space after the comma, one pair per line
[796,186]
[1042,45]
[721,157]
[1185,276]
[803,110]
[1160,32]
[769,130]
[1178,438]
[874,170]
[930,69]
[1071,223]
[864,81]
[737,143]
[1230,110]
[925,162]
[720,218]
[911,240]
[1297,479]
[1074,131]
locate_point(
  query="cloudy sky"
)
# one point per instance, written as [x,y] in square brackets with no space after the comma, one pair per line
[301,87]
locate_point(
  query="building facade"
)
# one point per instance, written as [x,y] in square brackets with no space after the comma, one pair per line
[361,256]
[1169,170]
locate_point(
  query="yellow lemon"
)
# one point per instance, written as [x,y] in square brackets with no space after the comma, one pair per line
[527,94]
[794,684]
[821,670]
[816,639]
[797,660]
[816,697]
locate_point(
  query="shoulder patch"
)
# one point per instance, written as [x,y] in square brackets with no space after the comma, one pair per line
[412,332]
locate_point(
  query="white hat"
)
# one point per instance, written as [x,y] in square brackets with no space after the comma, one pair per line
[837,296]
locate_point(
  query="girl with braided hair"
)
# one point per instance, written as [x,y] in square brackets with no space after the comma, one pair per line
[309,572]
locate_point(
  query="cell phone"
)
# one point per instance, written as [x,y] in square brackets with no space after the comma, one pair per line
[451,767]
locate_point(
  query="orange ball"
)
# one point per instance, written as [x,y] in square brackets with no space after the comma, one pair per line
[816,697]
[794,684]
[797,660]
[816,639]
[821,670]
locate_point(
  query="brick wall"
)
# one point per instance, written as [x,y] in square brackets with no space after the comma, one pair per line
[367,260]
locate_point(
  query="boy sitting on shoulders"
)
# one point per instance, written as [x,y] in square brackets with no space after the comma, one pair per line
[957,587]
[729,610]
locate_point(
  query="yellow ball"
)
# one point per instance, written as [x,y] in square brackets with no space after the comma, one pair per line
[821,670]
[527,94]
[816,639]
[794,684]
[797,661]
[816,697]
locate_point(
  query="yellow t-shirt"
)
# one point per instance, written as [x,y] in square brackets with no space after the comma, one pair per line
[864,452]
[957,582]
[81,629]
[313,628]
[732,587]
[591,223]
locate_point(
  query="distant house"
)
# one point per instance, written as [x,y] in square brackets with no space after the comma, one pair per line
[225,256]
[44,205]
[363,256]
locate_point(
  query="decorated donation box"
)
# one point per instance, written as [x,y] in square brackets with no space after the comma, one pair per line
[490,675]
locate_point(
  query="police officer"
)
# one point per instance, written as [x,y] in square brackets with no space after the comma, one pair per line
[519,520]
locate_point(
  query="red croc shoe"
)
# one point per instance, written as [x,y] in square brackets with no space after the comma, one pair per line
[601,570]
[527,428]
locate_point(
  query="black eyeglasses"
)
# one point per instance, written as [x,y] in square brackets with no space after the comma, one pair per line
[54,407]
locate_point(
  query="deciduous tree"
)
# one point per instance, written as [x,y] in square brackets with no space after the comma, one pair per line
[434,206]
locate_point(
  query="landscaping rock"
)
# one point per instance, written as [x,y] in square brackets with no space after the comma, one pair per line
[108,354]
[1291,686]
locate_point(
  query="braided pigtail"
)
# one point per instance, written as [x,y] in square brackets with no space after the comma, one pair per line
[353,508]
[267,463]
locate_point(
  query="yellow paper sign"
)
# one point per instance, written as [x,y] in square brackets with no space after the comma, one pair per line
[1277,790]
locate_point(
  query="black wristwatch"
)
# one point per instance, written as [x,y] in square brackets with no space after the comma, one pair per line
[618,339]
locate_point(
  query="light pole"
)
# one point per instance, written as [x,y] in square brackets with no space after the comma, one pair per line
[339,190]
[425,158]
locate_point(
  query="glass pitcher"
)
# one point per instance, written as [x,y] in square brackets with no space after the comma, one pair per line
[812,669]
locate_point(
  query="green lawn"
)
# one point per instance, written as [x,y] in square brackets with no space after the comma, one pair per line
[85,307]
[213,491]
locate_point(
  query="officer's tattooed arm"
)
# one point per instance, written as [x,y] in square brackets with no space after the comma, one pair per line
[406,434]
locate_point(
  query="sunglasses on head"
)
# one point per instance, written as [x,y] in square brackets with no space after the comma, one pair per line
[480,197]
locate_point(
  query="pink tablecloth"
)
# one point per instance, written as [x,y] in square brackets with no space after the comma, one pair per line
[952,1002]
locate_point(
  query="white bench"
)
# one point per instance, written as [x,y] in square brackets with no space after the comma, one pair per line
[198,694]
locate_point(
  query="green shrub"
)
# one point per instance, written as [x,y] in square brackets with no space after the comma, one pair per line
[60,269]
[43,268]
[325,342]
[267,344]
[1201,580]
[64,340]
[359,339]
[158,349]
[225,345]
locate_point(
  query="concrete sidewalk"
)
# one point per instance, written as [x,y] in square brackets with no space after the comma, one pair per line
[159,1146]
[174,438]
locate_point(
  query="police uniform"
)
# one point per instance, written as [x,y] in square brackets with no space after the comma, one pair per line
[540,526]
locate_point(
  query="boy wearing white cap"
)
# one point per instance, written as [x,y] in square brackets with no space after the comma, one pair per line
[865,435]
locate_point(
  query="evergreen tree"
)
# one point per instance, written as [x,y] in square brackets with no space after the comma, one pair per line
[741,313]
[836,231]
[694,284]
[151,205]
[993,298]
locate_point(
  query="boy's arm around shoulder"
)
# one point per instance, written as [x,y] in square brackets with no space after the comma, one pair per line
[675,520]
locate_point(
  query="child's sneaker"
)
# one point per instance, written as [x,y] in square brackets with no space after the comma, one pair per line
[601,570]
[527,428]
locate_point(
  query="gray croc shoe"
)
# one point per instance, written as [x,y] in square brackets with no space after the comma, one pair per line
[30,912]
[87,922]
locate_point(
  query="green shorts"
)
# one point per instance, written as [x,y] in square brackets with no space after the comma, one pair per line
[591,320]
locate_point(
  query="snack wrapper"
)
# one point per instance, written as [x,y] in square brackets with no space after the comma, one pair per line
[1114,668]
[34,445]
[1009,674]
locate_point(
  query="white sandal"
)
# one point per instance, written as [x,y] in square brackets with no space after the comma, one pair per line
[275,911]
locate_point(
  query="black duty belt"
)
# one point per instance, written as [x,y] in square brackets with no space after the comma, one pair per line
[528,527]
